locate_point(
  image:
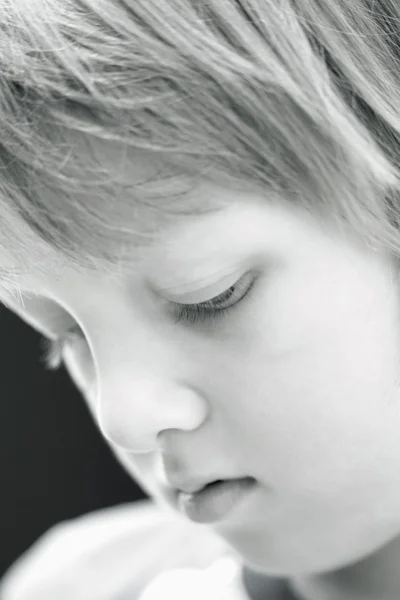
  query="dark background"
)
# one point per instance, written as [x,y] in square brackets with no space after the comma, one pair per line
[54,464]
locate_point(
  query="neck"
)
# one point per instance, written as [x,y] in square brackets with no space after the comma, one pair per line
[259,586]
[376,577]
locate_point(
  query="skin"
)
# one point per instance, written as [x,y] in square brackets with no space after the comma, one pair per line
[297,386]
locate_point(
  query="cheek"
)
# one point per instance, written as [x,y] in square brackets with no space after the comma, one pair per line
[145,469]
[80,367]
[319,376]
[313,426]
[328,329]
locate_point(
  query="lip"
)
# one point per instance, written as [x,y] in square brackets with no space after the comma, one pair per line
[216,502]
[189,480]
[192,485]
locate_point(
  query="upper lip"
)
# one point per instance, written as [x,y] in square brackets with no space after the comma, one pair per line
[182,478]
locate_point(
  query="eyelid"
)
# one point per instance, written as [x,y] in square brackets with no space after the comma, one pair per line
[200,283]
[207,312]
[205,293]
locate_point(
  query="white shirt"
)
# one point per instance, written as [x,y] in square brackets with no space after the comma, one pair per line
[135,551]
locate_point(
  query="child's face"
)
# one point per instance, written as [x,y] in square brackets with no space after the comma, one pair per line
[296,387]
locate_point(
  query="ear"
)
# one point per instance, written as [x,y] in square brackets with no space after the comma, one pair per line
[43,314]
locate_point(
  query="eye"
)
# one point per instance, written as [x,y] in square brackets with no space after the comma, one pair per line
[216,307]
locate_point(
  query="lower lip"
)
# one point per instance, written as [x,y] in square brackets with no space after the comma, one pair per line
[215,502]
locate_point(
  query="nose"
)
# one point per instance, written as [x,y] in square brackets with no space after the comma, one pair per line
[132,413]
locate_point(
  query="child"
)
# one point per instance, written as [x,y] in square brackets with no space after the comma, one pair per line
[200,211]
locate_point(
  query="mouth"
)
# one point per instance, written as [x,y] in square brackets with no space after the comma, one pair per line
[215,500]
[195,486]
[187,489]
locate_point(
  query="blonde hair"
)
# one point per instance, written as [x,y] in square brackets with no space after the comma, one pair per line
[298,99]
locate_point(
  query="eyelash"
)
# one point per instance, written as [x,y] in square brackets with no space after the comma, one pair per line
[191,313]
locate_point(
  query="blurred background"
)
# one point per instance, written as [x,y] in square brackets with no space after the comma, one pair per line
[54,464]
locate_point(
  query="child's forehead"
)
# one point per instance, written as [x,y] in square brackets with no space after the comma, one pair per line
[131,229]
[196,230]
[167,241]
[186,249]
